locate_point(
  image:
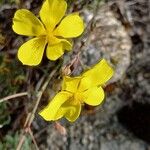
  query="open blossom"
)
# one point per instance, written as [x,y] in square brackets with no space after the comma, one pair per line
[52,32]
[78,90]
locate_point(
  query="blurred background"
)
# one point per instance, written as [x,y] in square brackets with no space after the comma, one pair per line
[118,30]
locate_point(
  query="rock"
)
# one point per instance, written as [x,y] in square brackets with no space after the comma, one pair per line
[109,40]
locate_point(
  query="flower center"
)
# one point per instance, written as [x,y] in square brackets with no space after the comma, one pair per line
[77,98]
[51,39]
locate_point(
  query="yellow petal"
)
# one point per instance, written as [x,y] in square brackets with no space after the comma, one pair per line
[67,45]
[52,12]
[31,52]
[71,26]
[69,111]
[73,113]
[55,51]
[50,112]
[70,84]
[26,23]
[98,75]
[52,40]
[93,96]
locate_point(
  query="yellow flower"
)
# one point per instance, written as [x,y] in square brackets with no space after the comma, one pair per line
[78,90]
[52,33]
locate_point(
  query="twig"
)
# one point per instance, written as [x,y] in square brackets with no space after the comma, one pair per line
[33,139]
[21,141]
[31,115]
[39,84]
[90,25]
[79,49]
[13,96]
[40,94]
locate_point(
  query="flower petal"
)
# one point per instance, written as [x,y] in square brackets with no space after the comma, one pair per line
[55,51]
[98,75]
[67,44]
[94,96]
[70,84]
[71,26]
[69,111]
[50,112]
[26,23]
[52,12]
[31,52]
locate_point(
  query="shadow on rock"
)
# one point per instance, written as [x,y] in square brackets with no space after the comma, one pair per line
[136,119]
